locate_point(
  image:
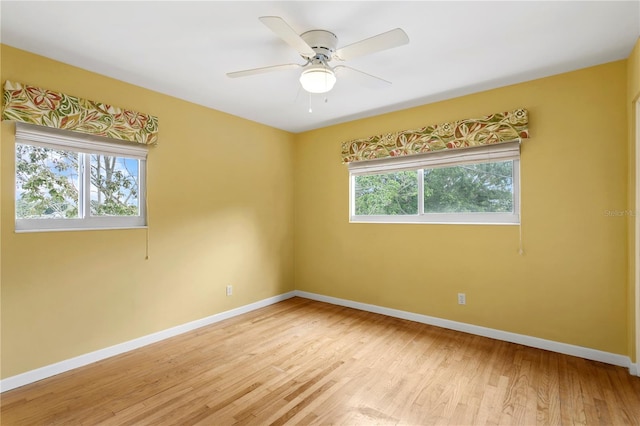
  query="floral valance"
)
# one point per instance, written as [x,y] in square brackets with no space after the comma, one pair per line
[491,129]
[43,107]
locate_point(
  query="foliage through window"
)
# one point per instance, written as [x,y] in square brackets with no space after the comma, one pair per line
[114,186]
[470,188]
[472,192]
[47,182]
[387,193]
[78,186]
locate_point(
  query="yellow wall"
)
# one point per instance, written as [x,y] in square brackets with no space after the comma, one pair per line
[220,212]
[571,284]
[633,67]
[221,198]
[633,93]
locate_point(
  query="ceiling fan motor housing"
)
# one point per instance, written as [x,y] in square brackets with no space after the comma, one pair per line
[323,42]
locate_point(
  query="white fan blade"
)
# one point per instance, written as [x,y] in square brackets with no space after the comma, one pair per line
[262,70]
[288,34]
[388,40]
[361,77]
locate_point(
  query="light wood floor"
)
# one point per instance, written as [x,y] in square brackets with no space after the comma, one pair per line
[306,362]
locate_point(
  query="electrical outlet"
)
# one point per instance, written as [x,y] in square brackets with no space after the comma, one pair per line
[462,299]
[229,290]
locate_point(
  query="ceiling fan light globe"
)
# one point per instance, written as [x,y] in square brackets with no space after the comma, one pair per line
[317,79]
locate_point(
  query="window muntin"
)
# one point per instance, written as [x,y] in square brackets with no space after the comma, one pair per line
[478,185]
[73,182]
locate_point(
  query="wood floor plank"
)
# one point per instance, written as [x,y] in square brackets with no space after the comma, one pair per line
[311,363]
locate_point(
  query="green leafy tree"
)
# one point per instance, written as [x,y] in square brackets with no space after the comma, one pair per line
[485,187]
[387,194]
[47,184]
[115,188]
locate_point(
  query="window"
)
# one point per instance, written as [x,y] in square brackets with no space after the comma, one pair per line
[67,181]
[476,185]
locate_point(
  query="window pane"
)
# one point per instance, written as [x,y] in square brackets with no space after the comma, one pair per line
[484,187]
[46,183]
[114,186]
[387,194]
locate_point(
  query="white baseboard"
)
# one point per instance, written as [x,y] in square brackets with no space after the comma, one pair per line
[82,360]
[535,342]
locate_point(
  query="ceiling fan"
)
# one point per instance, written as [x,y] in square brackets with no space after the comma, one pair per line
[318,48]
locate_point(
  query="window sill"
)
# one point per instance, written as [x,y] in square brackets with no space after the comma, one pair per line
[26,231]
[508,219]
[433,223]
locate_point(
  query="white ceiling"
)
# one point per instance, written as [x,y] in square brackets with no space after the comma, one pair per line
[184,49]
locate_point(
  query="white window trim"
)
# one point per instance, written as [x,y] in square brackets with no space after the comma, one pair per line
[489,153]
[29,134]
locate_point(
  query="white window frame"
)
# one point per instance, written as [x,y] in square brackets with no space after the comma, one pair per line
[85,145]
[485,154]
